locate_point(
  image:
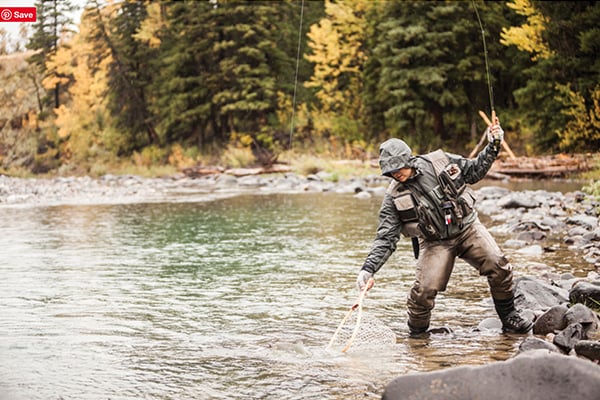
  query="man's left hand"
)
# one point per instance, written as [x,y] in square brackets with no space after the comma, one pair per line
[495,134]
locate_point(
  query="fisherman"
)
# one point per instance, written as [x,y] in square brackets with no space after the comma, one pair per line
[430,201]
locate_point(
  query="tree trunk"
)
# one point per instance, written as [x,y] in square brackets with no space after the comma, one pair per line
[438,123]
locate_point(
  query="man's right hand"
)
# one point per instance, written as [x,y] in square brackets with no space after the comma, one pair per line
[363,279]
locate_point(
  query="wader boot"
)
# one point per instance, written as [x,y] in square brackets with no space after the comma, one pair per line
[417,332]
[512,322]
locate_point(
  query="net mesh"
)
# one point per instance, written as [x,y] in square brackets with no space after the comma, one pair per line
[371,332]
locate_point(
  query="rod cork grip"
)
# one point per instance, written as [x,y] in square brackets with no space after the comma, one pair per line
[485,117]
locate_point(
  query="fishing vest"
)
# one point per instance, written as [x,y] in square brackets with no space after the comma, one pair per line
[434,207]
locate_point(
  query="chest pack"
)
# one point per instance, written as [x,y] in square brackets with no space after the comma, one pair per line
[436,205]
[449,175]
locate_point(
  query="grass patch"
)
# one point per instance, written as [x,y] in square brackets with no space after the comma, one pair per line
[304,164]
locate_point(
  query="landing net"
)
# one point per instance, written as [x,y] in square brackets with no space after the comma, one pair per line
[359,329]
[369,332]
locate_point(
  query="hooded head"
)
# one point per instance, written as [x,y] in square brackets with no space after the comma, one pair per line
[393,155]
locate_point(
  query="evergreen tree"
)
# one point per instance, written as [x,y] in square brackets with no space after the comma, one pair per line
[181,101]
[426,74]
[129,75]
[219,66]
[568,33]
[54,19]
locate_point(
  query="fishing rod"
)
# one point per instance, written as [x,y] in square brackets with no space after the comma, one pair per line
[487,64]
[296,77]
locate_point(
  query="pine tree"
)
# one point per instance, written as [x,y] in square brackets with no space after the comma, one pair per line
[54,21]
[426,73]
[181,100]
[218,70]
[564,76]
[129,72]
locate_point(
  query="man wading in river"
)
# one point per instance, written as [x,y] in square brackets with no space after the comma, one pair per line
[429,201]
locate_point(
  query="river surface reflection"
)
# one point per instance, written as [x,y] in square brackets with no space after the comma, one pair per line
[235,298]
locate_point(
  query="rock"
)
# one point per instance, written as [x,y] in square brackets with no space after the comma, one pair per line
[568,337]
[536,295]
[533,250]
[587,221]
[227,181]
[531,236]
[582,314]
[533,343]
[535,374]
[517,201]
[589,349]
[489,324]
[552,321]
[585,293]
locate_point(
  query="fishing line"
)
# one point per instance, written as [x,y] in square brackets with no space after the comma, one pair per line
[485,54]
[296,78]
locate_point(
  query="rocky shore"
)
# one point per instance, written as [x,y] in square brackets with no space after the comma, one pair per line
[112,189]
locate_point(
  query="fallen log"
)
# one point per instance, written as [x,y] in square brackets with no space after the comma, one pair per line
[258,171]
[555,166]
[198,171]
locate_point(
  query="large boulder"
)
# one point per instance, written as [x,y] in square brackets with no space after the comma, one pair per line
[535,374]
[534,294]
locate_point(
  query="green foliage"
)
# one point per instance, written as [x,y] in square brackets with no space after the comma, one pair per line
[430,60]
[53,22]
[150,155]
[572,39]
[236,156]
[582,131]
[595,304]
[129,75]
[593,188]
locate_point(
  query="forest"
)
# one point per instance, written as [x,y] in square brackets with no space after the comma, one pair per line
[241,83]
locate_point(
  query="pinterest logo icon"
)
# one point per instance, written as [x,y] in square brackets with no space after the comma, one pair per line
[6,14]
[17,14]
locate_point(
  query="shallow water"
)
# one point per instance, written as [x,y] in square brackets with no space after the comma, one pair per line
[236,298]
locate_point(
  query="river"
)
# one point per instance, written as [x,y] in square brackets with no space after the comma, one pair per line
[235,298]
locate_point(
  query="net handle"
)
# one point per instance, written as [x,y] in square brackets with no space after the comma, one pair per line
[357,305]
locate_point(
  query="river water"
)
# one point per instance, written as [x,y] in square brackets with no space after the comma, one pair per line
[236,298]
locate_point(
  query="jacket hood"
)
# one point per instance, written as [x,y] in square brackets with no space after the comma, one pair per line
[393,155]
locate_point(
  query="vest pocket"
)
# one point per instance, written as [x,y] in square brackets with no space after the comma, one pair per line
[427,223]
[406,208]
[467,201]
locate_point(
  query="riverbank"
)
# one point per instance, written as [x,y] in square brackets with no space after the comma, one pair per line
[114,189]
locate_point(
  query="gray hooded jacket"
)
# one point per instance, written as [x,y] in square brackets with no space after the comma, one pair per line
[434,204]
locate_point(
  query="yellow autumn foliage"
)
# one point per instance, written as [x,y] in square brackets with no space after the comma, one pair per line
[584,123]
[82,122]
[527,37]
